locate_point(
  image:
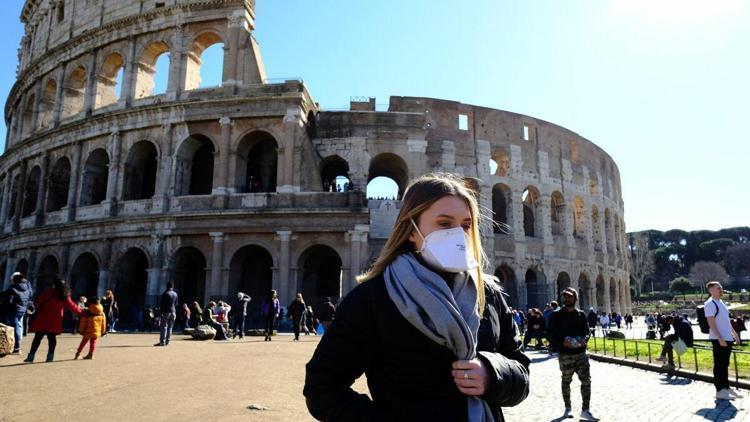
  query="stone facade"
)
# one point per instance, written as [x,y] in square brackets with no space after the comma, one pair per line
[112,185]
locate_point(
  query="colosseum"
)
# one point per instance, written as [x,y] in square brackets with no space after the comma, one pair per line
[238,187]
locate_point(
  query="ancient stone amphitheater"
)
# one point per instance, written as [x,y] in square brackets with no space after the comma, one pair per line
[250,185]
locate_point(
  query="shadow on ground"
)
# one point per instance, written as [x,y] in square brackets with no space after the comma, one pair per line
[723,411]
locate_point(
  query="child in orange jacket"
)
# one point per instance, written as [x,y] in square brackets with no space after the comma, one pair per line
[92,326]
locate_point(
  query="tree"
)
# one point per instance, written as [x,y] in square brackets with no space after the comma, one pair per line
[704,271]
[737,259]
[680,285]
[641,260]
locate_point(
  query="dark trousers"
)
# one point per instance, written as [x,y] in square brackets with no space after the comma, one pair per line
[721,364]
[296,323]
[537,334]
[667,349]
[51,340]
[270,320]
[239,326]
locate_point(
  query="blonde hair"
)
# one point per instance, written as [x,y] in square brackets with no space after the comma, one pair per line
[419,196]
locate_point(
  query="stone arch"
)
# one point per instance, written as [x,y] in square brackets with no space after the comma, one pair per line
[49,270]
[194,169]
[95,178]
[596,226]
[320,269]
[202,41]
[31,191]
[507,278]
[614,295]
[557,213]
[618,234]
[530,200]
[502,161]
[27,116]
[84,275]
[140,171]
[58,185]
[334,172]
[74,91]
[600,293]
[391,166]
[146,68]
[251,272]
[47,104]
[257,163]
[130,277]
[536,288]
[188,273]
[111,70]
[22,266]
[579,222]
[502,208]
[563,282]
[584,292]
[14,195]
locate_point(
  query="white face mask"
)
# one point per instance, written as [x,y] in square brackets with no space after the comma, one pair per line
[447,250]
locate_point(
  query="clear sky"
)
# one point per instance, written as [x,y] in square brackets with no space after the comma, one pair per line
[662,85]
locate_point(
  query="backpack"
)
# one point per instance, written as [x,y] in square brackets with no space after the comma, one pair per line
[702,320]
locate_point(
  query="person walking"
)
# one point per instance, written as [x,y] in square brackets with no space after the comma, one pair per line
[722,337]
[111,310]
[93,325]
[327,313]
[310,321]
[604,322]
[186,315]
[536,328]
[431,332]
[569,332]
[16,299]
[296,311]
[593,320]
[240,314]
[683,331]
[270,312]
[168,310]
[48,318]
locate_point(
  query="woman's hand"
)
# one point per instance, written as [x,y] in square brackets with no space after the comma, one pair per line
[470,377]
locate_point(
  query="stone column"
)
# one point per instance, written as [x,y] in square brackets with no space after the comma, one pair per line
[89,95]
[40,193]
[217,262]
[223,186]
[127,92]
[113,148]
[35,113]
[60,79]
[235,23]
[164,174]
[75,176]
[545,219]
[416,161]
[177,64]
[517,210]
[287,287]
[358,242]
[607,305]
[64,264]
[106,268]
[285,173]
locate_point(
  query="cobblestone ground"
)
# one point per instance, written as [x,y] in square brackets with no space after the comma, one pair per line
[130,380]
[620,393]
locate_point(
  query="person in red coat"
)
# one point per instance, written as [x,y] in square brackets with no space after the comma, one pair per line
[48,317]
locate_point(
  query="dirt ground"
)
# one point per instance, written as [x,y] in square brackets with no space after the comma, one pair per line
[131,380]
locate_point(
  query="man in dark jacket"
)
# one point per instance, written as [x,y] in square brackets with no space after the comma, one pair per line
[240,314]
[327,313]
[682,331]
[16,298]
[569,332]
[593,320]
[168,311]
[297,311]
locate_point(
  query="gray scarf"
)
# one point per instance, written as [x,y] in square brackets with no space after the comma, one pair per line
[447,317]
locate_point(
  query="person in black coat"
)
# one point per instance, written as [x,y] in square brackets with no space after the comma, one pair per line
[240,314]
[682,331]
[411,376]
[296,311]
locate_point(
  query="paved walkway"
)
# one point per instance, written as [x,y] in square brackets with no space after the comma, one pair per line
[625,394]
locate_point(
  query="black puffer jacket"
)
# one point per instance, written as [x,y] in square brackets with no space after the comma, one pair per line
[408,375]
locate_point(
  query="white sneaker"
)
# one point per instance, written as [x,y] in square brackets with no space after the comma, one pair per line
[723,395]
[568,413]
[587,416]
[734,393]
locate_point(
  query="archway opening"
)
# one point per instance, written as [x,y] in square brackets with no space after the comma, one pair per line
[47,105]
[535,289]
[390,166]
[207,47]
[501,161]
[321,275]
[109,80]
[23,267]
[27,116]
[84,276]
[131,281]
[194,174]
[251,273]
[49,270]
[600,293]
[507,279]
[557,211]
[257,163]
[501,208]
[563,282]
[74,92]
[95,178]
[584,292]
[334,174]
[140,171]
[579,213]
[31,191]
[59,185]
[189,275]
[152,75]
[530,198]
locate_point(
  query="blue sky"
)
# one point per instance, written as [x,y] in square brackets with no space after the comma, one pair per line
[662,85]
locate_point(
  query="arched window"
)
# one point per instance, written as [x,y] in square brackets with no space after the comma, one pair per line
[58,185]
[334,174]
[27,116]
[109,80]
[14,191]
[152,74]
[595,224]
[207,47]
[31,191]
[579,223]
[388,166]
[557,213]
[194,174]
[74,92]
[257,163]
[47,105]
[530,200]
[140,171]
[502,163]
[95,177]
[501,208]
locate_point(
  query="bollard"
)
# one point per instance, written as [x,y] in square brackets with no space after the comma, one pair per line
[649,352]
[695,356]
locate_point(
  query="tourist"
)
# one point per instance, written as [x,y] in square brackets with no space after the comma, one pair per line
[629,321]
[93,326]
[593,320]
[722,337]
[327,313]
[270,312]
[535,321]
[604,322]
[196,315]
[568,332]
[618,320]
[664,326]
[432,334]
[209,318]
[82,306]
[17,298]
[168,313]
[48,318]
[111,310]
[222,313]
[310,321]
[683,331]
[296,311]
[186,315]
[240,314]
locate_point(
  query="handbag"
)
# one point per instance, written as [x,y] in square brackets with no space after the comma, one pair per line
[679,346]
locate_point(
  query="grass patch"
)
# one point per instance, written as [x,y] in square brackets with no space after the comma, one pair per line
[701,361]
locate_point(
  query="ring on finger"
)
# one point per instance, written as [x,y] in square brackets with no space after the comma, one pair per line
[466,375]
